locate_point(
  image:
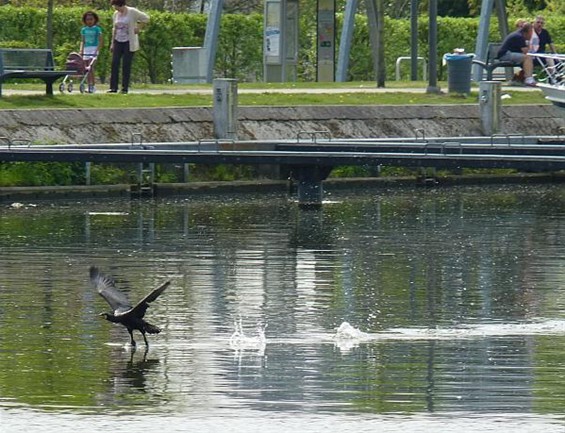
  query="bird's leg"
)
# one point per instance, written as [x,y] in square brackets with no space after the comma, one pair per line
[145,338]
[131,336]
[145,353]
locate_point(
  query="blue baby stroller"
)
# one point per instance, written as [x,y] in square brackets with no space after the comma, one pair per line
[75,62]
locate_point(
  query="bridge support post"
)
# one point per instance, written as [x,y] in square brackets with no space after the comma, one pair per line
[310,189]
[310,193]
[489,106]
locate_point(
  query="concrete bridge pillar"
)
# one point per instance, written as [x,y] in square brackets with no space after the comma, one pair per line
[309,179]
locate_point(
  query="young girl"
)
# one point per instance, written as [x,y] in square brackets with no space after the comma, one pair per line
[91,43]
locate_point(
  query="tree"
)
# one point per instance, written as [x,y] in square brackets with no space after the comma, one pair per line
[243,6]
[519,7]
[453,9]
[556,6]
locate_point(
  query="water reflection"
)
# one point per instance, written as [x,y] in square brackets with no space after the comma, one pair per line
[453,297]
[129,373]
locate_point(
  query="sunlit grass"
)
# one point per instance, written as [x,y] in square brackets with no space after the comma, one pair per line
[291,94]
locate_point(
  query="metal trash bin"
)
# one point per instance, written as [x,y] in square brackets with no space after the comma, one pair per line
[459,72]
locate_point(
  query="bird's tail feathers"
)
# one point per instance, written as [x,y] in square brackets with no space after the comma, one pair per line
[152,329]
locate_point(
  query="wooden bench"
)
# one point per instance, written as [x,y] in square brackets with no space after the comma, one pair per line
[29,63]
[491,62]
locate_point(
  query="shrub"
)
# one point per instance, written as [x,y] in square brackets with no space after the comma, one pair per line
[239,50]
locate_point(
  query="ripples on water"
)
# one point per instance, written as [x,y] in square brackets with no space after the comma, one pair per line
[426,310]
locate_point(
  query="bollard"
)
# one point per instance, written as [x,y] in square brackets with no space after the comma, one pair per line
[489,106]
[225,108]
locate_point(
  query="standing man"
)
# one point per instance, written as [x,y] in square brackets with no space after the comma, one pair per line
[514,49]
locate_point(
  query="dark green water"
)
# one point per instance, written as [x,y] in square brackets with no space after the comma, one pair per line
[426,309]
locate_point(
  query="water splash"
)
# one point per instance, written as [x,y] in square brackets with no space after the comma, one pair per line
[18,205]
[240,341]
[546,327]
[107,213]
[348,337]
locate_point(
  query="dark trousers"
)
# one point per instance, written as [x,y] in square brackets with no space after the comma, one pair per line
[121,53]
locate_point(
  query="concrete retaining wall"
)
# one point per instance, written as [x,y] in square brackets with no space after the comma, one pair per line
[79,126]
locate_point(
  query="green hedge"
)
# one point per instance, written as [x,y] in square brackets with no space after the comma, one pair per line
[239,51]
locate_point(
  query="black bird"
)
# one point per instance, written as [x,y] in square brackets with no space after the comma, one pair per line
[124,313]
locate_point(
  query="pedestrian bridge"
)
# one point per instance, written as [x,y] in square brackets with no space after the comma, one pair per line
[311,157]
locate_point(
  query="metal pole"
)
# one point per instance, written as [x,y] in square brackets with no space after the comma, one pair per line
[500,7]
[381,66]
[211,36]
[373,32]
[345,41]
[414,40]
[50,24]
[284,44]
[482,37]
[432,41]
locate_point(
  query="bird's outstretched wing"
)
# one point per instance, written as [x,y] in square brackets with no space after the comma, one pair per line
[107,289]
[141,306]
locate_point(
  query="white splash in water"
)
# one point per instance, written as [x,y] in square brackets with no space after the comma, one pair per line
[347,337]
[17,205]
[239,341]
[108,213]
[547,327]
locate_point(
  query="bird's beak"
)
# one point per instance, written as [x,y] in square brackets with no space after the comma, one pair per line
[102,314]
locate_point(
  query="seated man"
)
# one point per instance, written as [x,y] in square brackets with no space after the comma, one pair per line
[514,49]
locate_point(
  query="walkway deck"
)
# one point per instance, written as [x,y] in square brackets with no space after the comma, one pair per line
[311,160]
[538,153]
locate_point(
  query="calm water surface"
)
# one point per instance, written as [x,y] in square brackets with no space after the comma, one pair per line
[403,310]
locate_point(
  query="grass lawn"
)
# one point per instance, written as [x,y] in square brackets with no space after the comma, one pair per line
[250,94]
